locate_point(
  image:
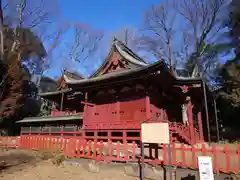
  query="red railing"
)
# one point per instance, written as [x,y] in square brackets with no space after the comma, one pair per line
[177,128]
[184,131]
[9,142]
[63,113]
[124,145]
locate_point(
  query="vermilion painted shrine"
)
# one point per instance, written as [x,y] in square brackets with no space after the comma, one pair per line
[123,93]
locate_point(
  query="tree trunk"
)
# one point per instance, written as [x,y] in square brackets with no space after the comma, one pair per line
[1,32]
[170,54]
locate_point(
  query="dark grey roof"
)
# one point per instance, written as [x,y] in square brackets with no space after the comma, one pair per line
[153,66]
[48,79]
[133,74]
[55,92]
[47,84]
[73,75]
[50,118]
[126,53]
[189,79]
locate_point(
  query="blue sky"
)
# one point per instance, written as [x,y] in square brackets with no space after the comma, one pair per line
[106,15]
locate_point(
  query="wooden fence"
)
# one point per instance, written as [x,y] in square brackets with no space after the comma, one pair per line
[9,142]
[225,157]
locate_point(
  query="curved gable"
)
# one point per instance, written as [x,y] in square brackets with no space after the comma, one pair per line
[120,58]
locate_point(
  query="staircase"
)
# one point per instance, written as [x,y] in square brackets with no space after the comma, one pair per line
[181,133]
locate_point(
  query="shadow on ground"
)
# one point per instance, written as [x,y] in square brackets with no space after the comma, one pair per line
[17,159]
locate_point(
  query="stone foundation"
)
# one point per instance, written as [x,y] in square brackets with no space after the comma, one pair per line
[149,172]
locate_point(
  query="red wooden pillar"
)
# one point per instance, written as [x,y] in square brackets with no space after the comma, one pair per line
[190,120]
[148,111]
[21,138]
[118,112]
[118,105]
[200,127]
[85,109]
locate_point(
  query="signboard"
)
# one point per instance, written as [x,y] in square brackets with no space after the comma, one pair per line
[155,133]
[205,168]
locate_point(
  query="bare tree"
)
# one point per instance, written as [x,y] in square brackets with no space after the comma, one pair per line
[27,24]
[204,27]
[183,30]
[1,32]
[82,47]
[160,31]
[54,41]
[32,13]
[23,23]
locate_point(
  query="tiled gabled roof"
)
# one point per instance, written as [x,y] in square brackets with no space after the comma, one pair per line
[131,72]
[72,75]
[127,54]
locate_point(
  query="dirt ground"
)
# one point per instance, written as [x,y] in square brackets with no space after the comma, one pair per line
[31,165]
[23,165]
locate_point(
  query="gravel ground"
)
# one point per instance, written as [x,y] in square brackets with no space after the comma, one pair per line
[24,165]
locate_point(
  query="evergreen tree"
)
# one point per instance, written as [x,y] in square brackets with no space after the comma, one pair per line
[230,72]
[228,101]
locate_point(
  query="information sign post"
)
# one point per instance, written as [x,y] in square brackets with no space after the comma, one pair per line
[156,133]
[205,168]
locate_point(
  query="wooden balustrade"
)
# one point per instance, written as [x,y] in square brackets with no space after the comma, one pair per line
[64,113]
[123,148]
[120,145]
[9,142]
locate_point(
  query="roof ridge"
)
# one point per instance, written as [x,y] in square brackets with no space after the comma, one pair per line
[128,49]
[104,62]
[115,74]
[124,51]
[74,73]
